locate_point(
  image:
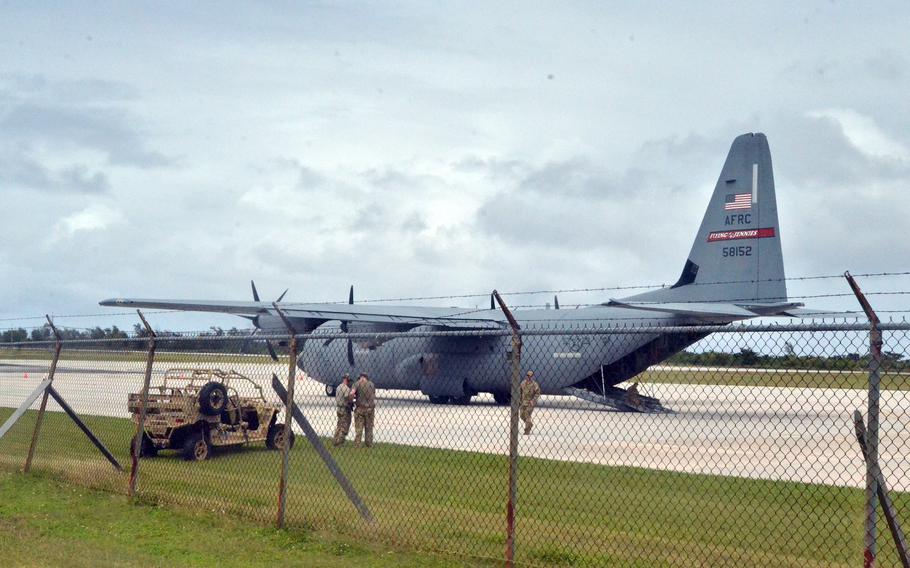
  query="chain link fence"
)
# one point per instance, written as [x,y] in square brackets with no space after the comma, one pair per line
[737,451]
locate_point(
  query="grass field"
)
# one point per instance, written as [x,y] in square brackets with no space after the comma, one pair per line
[428,499]
[48,523]
[779,378]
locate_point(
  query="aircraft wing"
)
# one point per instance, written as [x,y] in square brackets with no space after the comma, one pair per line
[404,316]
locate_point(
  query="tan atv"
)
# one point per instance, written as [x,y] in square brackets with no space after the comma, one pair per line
[196,409]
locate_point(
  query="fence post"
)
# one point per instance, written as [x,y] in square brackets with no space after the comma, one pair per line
[875,361]
[288,413]
[136,447]
[50,377]
[513,430]
[900,543]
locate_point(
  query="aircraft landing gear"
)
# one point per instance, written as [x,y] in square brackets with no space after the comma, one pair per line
[330,390]
[461,400]
[502,398]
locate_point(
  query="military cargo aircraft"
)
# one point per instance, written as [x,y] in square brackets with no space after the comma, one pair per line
[734,271]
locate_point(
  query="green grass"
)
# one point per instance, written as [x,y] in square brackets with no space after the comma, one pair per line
[448,501]
[44,522]
[782,378]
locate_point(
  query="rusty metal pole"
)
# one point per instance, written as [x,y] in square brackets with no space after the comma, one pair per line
[50,377]
[900,542]
[513,430]
[875,350]
[288,413]
[136,447]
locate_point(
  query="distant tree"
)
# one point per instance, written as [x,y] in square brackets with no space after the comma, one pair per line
[42,333]
[747,356]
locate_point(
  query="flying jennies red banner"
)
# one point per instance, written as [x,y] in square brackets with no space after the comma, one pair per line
[741,234]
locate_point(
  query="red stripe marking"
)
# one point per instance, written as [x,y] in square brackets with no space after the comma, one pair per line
[763,233]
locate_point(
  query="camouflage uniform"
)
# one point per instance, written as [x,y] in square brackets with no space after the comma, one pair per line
[632,395]
[363,411]
[343,409]
[530,392]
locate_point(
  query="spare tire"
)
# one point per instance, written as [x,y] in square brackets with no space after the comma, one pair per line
[213,398]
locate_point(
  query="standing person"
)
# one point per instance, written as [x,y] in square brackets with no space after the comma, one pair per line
[364,407]
[632,397]
[343,405]
[530,392]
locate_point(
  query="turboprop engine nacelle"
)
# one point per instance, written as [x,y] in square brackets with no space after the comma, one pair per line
[270,324]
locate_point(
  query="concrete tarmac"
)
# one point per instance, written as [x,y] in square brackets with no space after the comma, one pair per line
[775,433]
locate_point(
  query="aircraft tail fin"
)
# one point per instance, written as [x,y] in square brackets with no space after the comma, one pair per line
[736,257]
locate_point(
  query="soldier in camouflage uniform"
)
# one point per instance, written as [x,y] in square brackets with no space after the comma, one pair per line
[632,397]
[343,405]
[364,407]
[530,392]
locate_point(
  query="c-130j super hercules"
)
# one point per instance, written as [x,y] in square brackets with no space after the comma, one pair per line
[737,251]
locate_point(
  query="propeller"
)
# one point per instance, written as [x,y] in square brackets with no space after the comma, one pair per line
[344,329]
[555,302]
[268,344]
[492,302]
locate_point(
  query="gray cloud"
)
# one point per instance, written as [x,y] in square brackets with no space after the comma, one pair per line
[103,129]
[22,87]
[19,171]
[58,135]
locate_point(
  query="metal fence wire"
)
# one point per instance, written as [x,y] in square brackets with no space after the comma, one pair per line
[740,450]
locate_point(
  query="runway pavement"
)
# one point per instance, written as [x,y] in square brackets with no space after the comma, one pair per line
[777,433]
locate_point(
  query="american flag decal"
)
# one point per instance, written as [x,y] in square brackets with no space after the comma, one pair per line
[735,201]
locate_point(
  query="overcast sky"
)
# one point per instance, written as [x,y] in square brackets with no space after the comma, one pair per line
[174,151]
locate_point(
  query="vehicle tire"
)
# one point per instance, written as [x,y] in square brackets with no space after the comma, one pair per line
[197,447]
[330,390]
[502,398]
[462,400]
[147,448]
[213,398]
[439,399]
[274,439]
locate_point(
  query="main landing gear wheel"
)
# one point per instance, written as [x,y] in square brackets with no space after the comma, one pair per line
[502,398]
[330,390]
[439,399]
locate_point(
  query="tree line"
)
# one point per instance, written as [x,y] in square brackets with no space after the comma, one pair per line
[788,360]
[215,339]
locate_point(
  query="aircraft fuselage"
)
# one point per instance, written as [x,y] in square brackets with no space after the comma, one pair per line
[456,367]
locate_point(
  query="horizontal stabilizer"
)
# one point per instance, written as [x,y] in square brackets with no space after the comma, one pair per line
[810,313]
[692,309]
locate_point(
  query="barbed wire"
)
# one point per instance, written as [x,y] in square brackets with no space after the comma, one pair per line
[533,292]
[618,288]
